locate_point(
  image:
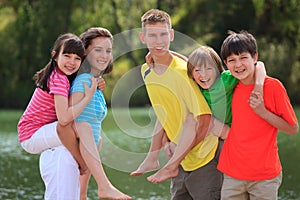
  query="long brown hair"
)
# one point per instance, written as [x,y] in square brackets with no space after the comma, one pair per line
[87,38]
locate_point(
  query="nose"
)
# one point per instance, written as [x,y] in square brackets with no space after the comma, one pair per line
[238,63]
[201,72]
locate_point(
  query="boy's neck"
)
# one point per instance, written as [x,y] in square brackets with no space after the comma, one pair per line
[162,63]
[164,60]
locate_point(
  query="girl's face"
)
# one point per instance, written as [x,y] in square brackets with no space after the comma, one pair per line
[68,63]
[205,76]
[99,54]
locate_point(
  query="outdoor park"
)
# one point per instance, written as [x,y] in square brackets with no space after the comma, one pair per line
[29,28]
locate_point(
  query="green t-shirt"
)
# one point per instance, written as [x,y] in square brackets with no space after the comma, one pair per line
[219,97]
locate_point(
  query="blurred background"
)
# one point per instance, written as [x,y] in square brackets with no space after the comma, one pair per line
[28,29]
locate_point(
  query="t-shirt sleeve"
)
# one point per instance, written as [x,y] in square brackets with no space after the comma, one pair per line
[228,80]
[194,99]
[284,108]
[59,84]
[77,85]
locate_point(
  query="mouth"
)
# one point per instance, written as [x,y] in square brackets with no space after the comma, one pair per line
[101,62]
[204,81]
[239,71]
[71,68]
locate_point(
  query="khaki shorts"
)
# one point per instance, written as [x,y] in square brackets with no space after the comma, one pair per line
[234,189]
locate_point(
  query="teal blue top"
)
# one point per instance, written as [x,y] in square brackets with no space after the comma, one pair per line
[96,109]
[219,97]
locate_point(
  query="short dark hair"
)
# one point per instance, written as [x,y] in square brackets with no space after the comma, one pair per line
[237,43]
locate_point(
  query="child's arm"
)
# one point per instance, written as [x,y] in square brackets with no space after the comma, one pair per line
[220,129]
[260,75]
[149,59]
[174,53]
[65,113]
[257,103]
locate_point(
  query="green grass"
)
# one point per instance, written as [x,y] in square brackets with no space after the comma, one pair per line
[9,120]
[127,136]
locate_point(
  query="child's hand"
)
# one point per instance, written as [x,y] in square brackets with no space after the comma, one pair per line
[101,84]
[89,91]
[257,103]
[149,60]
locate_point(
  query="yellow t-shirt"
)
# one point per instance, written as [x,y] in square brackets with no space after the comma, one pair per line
[173,96]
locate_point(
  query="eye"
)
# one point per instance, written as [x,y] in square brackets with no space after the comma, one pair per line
[67,55]
[98,49]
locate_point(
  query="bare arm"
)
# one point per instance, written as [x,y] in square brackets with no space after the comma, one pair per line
[257,103]
[149,59]
[203,127]
[174,53]
[260,75]
[67,112]
[220,129]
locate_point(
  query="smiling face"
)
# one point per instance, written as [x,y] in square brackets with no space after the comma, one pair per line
[68,63]
[242,66]
[99,54]
[157,36]
[205,75]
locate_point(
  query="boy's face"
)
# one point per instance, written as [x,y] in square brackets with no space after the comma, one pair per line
[242,66]
[157,37]
[205,76]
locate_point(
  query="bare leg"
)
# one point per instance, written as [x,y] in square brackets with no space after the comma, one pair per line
[186,142]
[69,139]
[84,180]
[91,156]
[151,161]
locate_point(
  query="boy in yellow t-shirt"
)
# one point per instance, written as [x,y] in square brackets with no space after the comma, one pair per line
[174,96]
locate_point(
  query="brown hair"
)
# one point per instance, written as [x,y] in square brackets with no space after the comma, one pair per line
[201,56]
[153,16]
[87,38]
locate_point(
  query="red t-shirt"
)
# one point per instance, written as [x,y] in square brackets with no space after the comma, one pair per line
[250,151]
[41,109]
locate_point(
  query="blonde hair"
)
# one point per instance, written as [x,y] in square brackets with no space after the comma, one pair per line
[204,55]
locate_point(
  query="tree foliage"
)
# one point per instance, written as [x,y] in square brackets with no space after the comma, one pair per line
[29,28]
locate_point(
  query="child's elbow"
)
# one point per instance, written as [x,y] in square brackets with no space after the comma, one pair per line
[294,130]
[63,122]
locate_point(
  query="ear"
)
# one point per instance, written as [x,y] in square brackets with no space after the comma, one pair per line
[255,57]
[142,37]
[171,34]
[225,61]
[53,53]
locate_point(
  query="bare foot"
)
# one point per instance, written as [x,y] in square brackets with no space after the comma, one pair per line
[163,174]
[110,192]
[146,166]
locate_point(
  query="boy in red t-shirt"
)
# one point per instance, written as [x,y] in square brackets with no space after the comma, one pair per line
[249,158]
